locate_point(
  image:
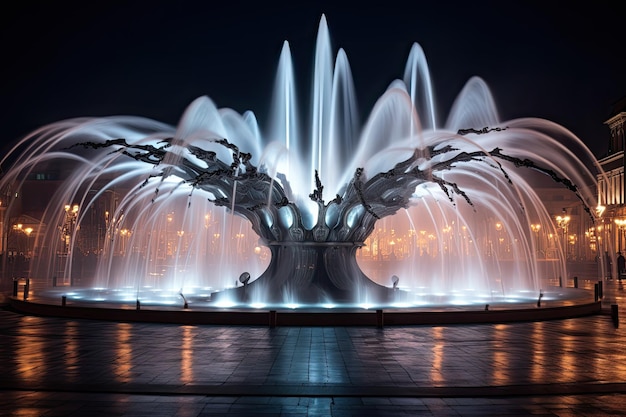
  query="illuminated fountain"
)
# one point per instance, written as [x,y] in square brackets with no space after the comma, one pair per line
[400,209]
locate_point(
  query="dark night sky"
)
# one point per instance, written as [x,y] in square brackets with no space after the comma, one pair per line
[71,59]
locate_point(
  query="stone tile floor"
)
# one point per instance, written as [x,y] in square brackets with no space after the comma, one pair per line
[65,367]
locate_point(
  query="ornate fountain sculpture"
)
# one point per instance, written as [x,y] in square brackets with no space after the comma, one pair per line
[399,158]
[319,264]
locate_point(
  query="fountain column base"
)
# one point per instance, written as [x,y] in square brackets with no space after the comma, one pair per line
[311,273]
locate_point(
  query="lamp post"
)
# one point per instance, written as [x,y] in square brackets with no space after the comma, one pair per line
[69,226]
[500,239]
[563,222]
[591,247]
[28,231]
[535,227]
[621,224]
[124,237]
[68,230]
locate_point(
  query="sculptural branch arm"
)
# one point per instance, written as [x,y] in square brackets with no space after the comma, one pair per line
[527,163]
[238,186]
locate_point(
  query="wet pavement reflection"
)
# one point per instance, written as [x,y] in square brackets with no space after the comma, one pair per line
[54,366]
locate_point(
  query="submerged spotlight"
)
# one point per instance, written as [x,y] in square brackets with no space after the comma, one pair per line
[244,278]
[394,281]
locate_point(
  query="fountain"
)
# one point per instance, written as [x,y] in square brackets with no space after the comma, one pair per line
[218,212]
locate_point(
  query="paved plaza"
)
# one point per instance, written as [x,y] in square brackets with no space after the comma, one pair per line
[70,367]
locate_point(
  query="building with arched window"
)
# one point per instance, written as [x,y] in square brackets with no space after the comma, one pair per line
[611,185]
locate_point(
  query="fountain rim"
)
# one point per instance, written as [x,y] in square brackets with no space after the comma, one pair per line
[339,317]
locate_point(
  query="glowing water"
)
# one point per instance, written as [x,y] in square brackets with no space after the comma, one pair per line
[140,226]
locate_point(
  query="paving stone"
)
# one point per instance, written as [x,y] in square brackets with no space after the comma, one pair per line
[71,367]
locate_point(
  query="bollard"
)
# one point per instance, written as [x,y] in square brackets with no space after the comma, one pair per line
[379,319]
[63,300]
[26,288]
[272,319]
[575,282]
[138,305]
[15,285]
[486,307]
[615,315]
[595,291]
[600,295]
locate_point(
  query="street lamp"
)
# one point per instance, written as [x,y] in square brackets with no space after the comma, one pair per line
[19,228]
[563,222]
[536,227]
[124,236]
[69,226]
[621,224]
[28,231]
[500,238]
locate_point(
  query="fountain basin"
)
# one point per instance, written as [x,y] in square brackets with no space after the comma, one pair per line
[556,303]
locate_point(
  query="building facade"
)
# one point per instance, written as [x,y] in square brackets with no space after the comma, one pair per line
[611,184]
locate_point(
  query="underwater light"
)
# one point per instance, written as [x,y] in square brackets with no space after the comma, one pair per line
[225,304]
[401,305]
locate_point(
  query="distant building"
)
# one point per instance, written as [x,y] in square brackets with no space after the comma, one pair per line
[23,204]
[612,186]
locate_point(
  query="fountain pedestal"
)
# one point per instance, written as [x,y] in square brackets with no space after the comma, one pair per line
[311,273]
